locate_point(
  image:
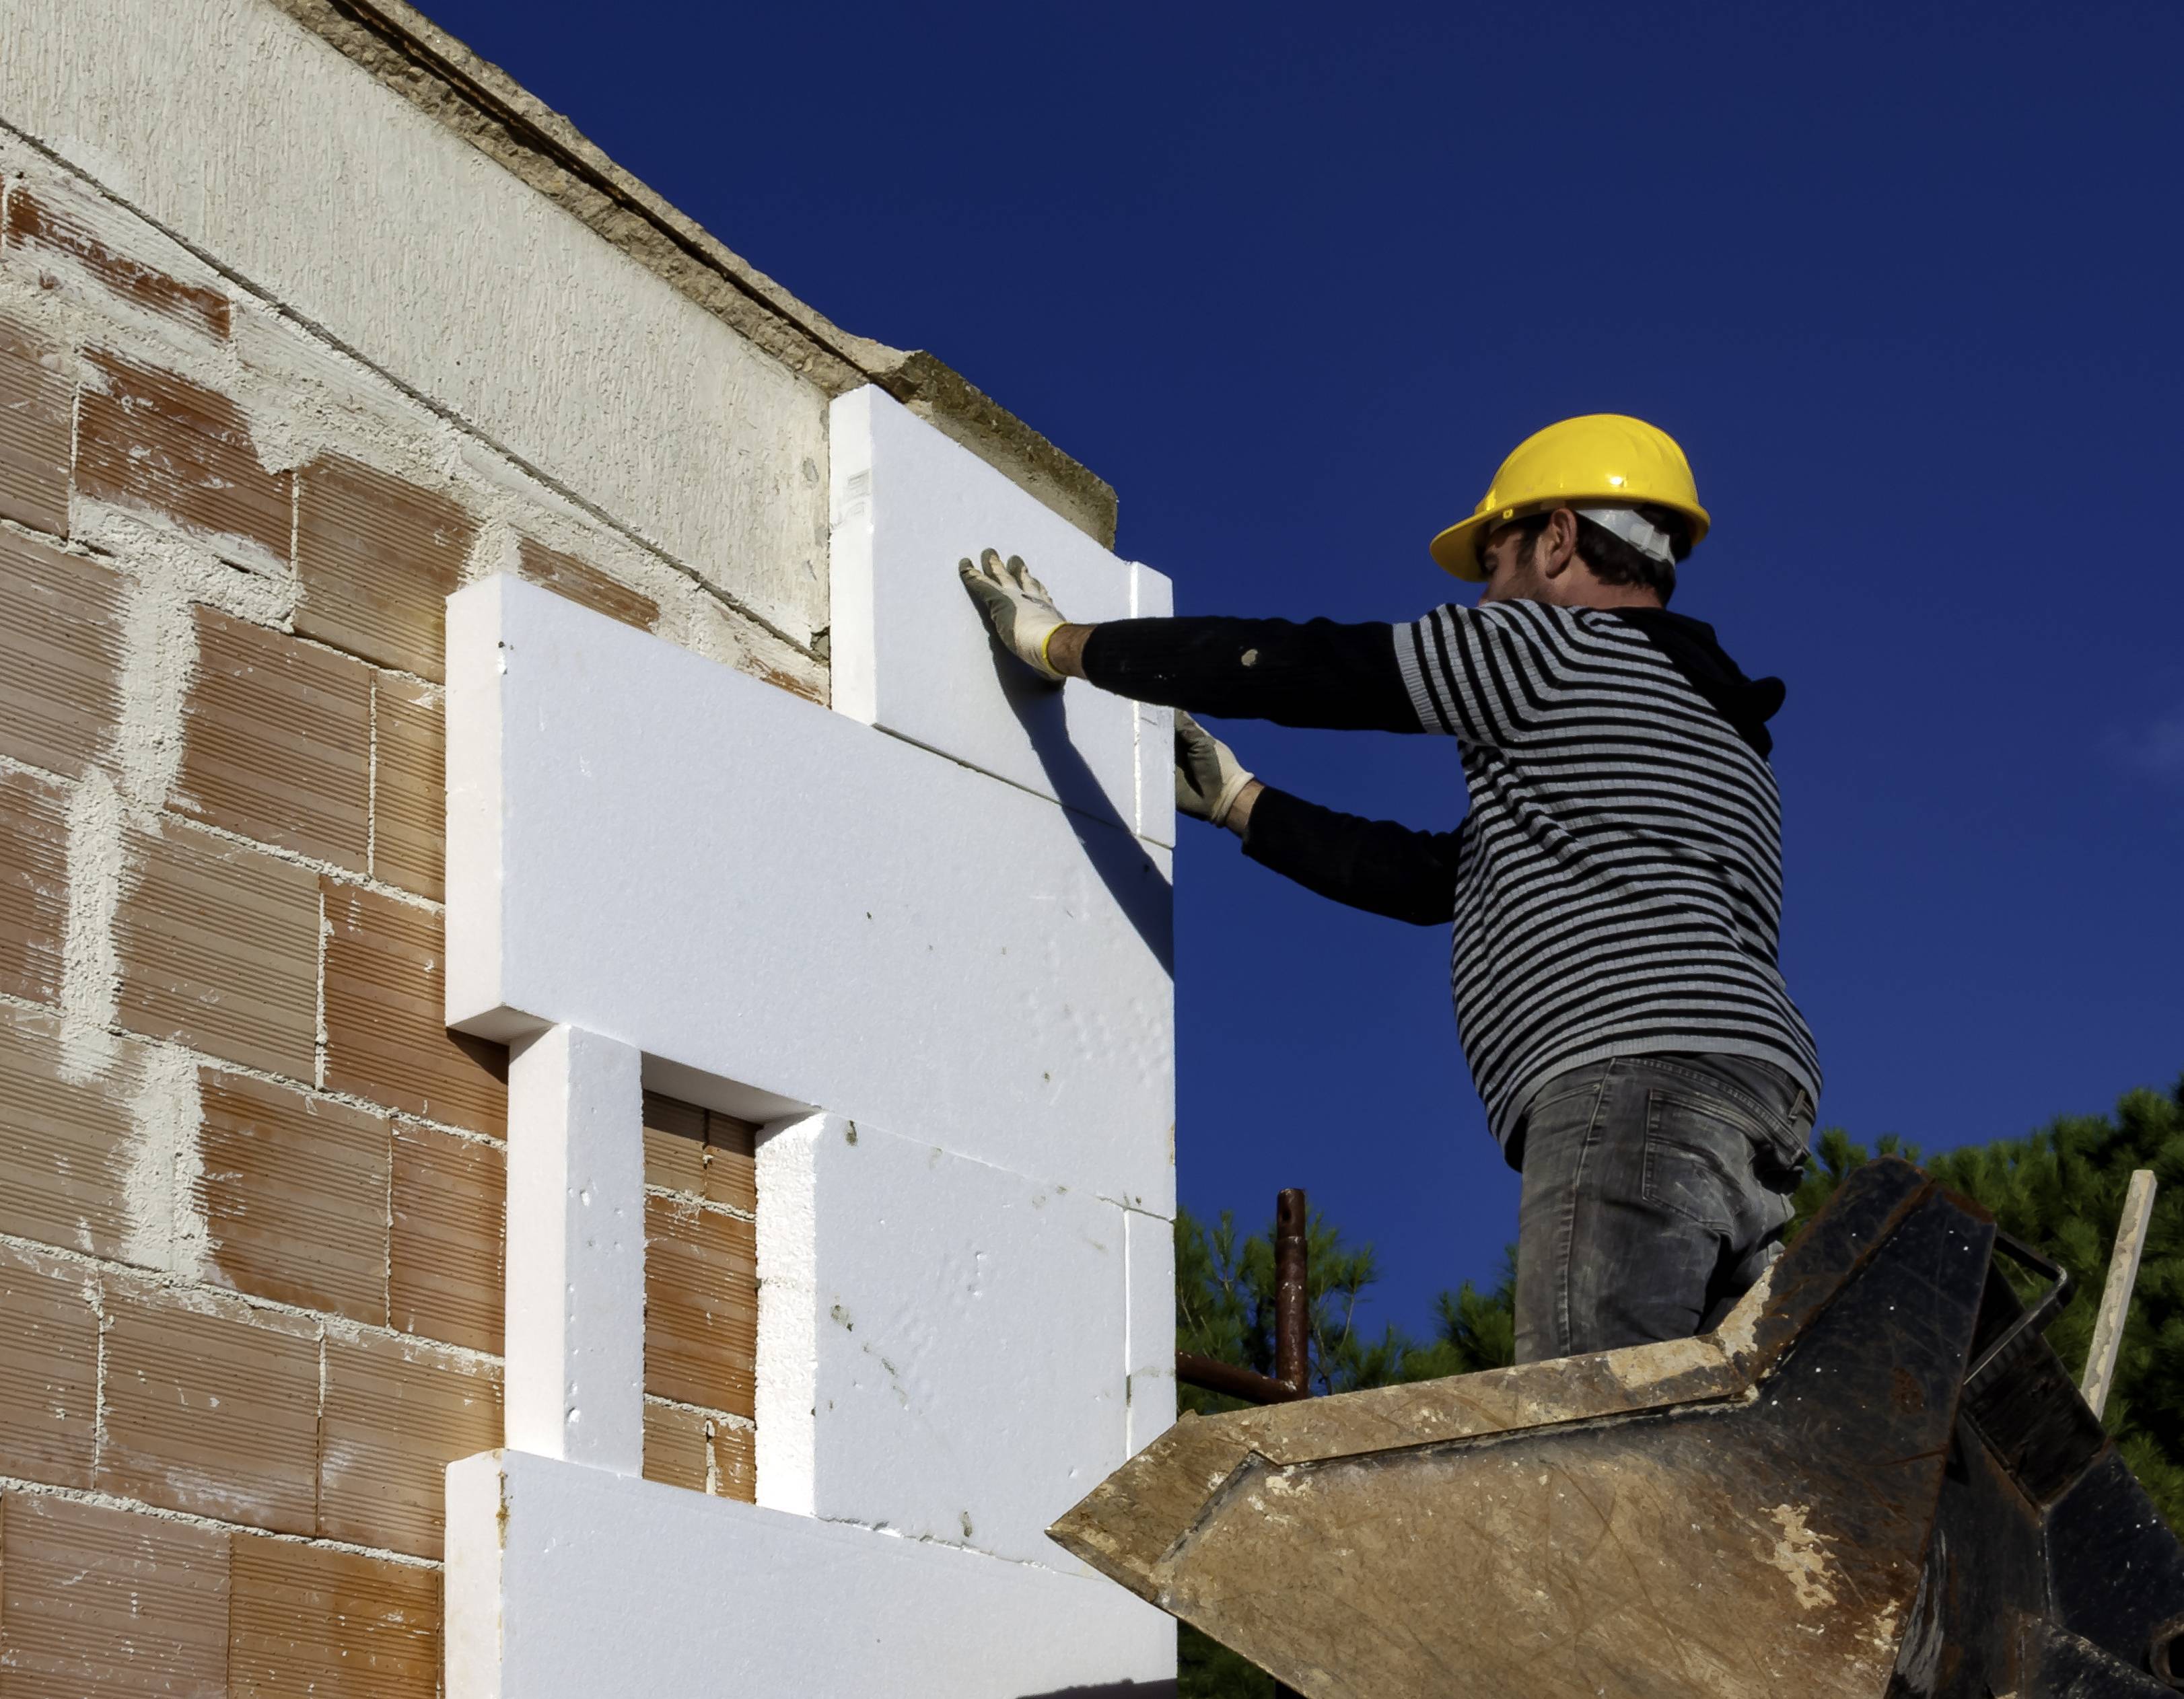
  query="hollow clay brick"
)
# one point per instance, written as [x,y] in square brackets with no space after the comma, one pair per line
[409,788]
[35,400]
[48,1369]
[735,1463]
[65,1143]
[674,1446]
[700,1306]
[450,1207]
[152,440]
[397,1412]
[33,886]
[110,1602]
[308,1619]
[376,559]
[674,1145]
[731,1170]
[384,989]
[210,1407]
[40,224]
[293,1189]
[60,655]
[219,948]
[276,741]
[567,576]
[691,1448]
[699,1153]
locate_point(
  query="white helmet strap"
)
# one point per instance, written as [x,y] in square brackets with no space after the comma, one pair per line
[1634,529]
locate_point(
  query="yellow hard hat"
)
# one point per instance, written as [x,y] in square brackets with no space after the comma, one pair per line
[1602,458]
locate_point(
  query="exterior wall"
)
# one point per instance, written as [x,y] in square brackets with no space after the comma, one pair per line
[251,1190]
[308,319]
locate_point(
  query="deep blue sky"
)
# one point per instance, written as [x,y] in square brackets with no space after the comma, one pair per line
[1903,278]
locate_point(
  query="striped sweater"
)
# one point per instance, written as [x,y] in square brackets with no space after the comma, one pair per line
[1616,887]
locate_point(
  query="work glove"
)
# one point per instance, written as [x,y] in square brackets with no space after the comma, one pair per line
[1017,607]
[1208,776]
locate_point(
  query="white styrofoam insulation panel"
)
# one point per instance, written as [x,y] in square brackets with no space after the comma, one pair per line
[653,847]
[960,1359]
[762,1605]
[1150,1345]
[911,654]
[575,1264]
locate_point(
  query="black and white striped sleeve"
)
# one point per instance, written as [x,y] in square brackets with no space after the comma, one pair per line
[1481,674]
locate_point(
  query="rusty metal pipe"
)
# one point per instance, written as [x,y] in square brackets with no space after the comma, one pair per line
[1224,1377]
[1292,1292]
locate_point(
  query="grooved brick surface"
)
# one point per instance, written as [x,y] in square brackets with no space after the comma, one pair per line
[65,1145]
[567,576]
[450,1208]
[376,559]
[674,1446]
[35,400]
[700,1153]
[691,1448]
[40,224]
[397,1412]
[210,1408]
[48,1369]
[152,439]
[294,1190]
[385,975]
[306,1619]
[33,886]
[408,787]
[110,1602]
[276,741]
[700,1306]
[60,655]
[219,948]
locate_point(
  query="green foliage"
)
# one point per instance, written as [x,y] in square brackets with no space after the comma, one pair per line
[2061,1191]
[1224,1308]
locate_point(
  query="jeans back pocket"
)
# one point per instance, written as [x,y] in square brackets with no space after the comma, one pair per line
[1698,1159]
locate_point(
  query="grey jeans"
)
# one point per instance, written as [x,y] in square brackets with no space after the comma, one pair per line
[1656,1191]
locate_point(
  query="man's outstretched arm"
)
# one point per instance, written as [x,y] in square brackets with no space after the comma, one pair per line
[1375,864]
[1341,677]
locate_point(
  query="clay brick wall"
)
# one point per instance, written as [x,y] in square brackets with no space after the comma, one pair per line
[251,1190]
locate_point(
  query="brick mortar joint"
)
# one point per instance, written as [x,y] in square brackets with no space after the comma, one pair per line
[703,1205]
[723,1418]
[348,1099]
[343,1329]
[94,1499]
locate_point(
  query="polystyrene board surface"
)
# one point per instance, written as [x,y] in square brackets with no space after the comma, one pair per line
[570,1583]
[968,1388]
[652,846]
[910,652]
[1149,1347]
[1152,597]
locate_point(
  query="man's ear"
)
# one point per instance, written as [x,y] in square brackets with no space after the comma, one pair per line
[1556,552]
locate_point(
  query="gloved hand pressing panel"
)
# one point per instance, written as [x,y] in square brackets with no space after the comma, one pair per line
[1017,609]
[1208,776]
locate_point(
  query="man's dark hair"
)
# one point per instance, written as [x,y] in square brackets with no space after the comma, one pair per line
[1612,560]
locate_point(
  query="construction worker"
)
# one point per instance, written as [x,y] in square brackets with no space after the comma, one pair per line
[1615,888]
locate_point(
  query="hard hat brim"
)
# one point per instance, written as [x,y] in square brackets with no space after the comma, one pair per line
[1455,550]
